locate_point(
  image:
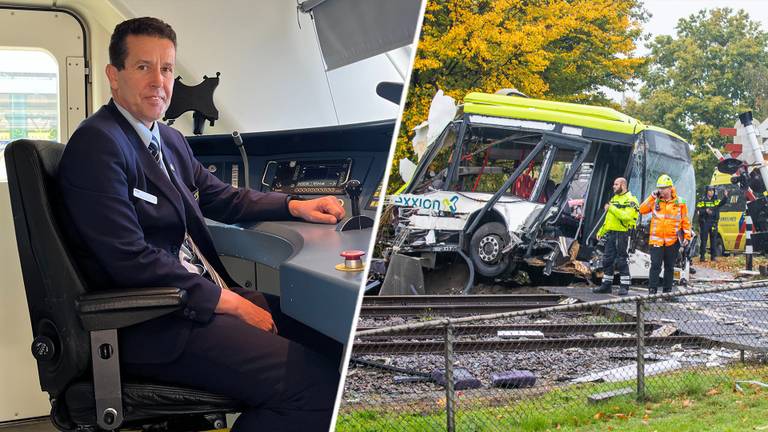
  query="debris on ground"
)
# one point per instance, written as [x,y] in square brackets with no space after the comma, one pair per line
[513,379]
[629,372]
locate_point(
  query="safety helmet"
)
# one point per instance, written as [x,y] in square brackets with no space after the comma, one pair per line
[664,181]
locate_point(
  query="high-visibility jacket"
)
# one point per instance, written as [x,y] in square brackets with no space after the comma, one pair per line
[670,218]
[621,215]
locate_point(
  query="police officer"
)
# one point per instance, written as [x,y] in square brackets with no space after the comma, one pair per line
[708,209]
[669,228]
[620,216]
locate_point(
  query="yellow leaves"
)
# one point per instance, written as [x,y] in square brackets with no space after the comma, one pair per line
[686,403]
[713,392]
[554,49]
[646,419]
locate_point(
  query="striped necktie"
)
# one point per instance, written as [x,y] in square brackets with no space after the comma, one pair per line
[154,150]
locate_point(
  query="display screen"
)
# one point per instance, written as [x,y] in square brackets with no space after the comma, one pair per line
[308,177]
[322,175]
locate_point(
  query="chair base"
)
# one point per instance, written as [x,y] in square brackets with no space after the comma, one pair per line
[153,407]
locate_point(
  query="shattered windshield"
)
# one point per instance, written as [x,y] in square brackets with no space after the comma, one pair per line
[490,155]
[669,155]
[433,171]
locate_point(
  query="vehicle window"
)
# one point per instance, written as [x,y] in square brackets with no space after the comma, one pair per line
[671,156]
[659,142]
[561,163]
[682,175]
[490,156]
[636,178]
[580,183]
[434,175]
[29,96]
[735,202]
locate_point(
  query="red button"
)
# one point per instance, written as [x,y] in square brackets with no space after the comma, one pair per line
[352,254]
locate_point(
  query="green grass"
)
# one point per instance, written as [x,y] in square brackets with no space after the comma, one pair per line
[685,401]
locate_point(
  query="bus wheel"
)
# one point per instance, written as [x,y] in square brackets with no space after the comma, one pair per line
[485,249]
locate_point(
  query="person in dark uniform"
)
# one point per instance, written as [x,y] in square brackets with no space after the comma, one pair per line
[708,210]
[135,199]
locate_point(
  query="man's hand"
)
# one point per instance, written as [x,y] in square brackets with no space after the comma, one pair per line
[606,207]
[231,303]
[327,209]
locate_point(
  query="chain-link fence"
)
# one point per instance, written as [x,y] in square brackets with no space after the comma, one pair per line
[412,369]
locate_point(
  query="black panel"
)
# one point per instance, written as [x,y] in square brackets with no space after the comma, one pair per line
[364,146]
[373,136]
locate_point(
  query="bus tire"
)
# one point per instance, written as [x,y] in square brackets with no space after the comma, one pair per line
[485,248]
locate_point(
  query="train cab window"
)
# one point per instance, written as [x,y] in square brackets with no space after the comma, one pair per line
[29,96]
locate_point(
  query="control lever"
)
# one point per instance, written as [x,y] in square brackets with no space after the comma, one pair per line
[239,144]
[353,188]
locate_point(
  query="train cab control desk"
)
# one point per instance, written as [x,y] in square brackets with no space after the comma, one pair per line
[305,256]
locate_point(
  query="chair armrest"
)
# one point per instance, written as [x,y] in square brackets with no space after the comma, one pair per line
[116,309]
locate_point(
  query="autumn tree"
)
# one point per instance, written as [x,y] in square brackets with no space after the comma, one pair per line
[569,50]
[699,80]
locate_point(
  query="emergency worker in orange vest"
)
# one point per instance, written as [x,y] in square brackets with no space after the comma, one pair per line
[669,228]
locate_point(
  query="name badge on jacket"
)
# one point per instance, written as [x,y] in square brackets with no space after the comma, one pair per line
[140,194]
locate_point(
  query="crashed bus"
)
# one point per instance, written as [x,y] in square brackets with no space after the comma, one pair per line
[513,183]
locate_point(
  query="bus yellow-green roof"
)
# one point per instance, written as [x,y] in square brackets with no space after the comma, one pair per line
[589,116]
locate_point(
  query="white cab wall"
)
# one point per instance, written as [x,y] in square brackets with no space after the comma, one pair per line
[272,73]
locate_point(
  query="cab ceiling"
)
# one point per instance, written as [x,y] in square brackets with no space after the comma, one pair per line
[272,72]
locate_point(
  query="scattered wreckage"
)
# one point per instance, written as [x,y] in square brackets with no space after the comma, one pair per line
[516,184]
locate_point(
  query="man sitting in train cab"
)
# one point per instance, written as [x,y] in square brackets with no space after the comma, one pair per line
[134,201]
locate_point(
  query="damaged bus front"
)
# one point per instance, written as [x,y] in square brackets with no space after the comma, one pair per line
[519,184]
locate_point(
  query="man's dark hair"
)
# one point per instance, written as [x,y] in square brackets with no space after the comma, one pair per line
[145,26]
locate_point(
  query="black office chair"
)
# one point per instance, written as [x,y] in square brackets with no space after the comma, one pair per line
[75,328]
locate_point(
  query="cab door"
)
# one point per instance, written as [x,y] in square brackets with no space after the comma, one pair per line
[42,96]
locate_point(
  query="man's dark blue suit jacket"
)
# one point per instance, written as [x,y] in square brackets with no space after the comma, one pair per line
[123,241]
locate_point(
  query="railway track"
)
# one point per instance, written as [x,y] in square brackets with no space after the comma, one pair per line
[448,305]
[468,346]
[549,330]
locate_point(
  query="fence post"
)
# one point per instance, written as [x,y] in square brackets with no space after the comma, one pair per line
[449,393]
[748,243]
[640,351]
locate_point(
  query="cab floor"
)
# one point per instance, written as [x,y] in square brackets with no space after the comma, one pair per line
[34,425]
